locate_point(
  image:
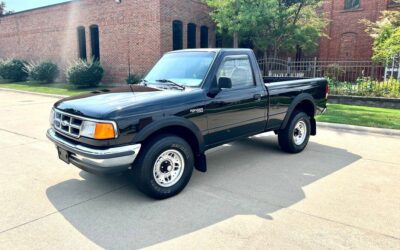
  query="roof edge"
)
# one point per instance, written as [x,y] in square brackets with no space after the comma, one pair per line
[39,8]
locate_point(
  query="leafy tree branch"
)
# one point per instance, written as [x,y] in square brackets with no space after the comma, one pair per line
[273,26]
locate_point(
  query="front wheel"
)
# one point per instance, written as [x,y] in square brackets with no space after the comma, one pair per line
[294,138]
[164,166]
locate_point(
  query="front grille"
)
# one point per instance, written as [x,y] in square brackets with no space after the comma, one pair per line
[67,124]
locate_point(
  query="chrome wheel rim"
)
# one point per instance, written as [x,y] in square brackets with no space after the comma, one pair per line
[300,133]
[168,168]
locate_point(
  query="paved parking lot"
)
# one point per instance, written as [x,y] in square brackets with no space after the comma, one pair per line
[343,192]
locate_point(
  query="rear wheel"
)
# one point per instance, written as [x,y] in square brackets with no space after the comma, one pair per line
[164,166]
[294,138]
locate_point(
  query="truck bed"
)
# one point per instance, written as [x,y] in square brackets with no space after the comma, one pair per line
[274,79]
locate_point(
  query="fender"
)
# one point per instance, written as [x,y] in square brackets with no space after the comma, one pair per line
[200,157]
[298,99]
[167,122]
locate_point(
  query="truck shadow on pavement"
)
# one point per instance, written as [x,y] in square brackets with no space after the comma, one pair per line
[248,177]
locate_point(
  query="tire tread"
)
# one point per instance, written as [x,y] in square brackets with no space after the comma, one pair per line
[144,164]
[285,136]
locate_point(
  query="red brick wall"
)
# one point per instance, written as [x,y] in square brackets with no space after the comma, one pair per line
[189,11]
[347,39]
[135,30]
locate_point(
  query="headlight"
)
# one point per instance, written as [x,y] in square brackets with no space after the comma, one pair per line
[97,130]
[51,118]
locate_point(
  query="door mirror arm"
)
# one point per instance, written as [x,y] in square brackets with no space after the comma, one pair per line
[213,92]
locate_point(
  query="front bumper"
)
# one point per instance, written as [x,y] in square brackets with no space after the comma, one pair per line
[98,161]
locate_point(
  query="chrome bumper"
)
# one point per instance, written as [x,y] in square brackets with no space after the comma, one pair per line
[97,160]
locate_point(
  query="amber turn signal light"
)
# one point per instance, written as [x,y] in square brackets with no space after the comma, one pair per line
[104,131]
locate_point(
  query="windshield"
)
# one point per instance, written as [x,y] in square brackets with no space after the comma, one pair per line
[185,68]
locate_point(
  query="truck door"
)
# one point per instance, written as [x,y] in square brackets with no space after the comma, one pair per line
[237,111]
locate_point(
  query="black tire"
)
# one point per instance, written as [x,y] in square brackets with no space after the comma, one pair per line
[143,168]
[286,136]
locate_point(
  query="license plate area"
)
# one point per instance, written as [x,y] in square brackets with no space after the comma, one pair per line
[63,155]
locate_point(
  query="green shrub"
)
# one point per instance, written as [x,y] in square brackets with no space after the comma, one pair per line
[334,71]
[393,87]
[368,87]
[134,79]
[14,70]
[84,74]
[365,86]
[340,88]
[45,71]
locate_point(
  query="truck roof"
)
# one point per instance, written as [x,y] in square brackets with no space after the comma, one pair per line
[211,50]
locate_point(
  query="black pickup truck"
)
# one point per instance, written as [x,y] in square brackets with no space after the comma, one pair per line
[191,101]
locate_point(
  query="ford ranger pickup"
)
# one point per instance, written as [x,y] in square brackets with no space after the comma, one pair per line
[191,101]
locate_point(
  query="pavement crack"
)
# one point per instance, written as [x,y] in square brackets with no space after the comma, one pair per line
[361,157]
[386,162]
[345,224]
[16,146]
[27,104]
[331,153]
[280,207]
[16,133]
[63,209]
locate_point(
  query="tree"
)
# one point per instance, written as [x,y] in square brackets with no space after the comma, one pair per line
[3,11]
[284,25]
[2,8]
[386,35]
[232,16]
[272,25]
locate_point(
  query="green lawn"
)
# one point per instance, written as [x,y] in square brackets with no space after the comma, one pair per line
[362,116]
[54,88]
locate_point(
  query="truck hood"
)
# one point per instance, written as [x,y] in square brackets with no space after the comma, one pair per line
[128,100]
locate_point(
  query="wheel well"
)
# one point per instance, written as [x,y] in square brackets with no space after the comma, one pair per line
[308,107]
[180,131]
[190,137]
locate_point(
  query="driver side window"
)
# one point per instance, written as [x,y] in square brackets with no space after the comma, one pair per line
[238,69]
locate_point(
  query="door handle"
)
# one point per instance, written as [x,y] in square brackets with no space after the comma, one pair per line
[257,97]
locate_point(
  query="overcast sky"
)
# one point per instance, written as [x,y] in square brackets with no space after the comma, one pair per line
[20,5]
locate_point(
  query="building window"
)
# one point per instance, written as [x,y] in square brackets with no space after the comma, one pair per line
[351,4]
[191,36]
[82,43]
[177,35]
[348,46]
[95,42]
[204,37]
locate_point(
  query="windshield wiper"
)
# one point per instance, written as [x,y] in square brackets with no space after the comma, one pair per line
[172,82]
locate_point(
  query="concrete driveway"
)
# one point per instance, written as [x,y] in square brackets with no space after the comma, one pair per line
[342,192]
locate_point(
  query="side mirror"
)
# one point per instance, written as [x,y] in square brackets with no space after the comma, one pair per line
[225,83]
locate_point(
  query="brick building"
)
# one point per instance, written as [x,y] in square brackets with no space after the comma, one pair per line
[117,32]
[347,38]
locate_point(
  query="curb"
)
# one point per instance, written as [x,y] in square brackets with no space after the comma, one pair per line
[380,102]
[353,128]
[33,93]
